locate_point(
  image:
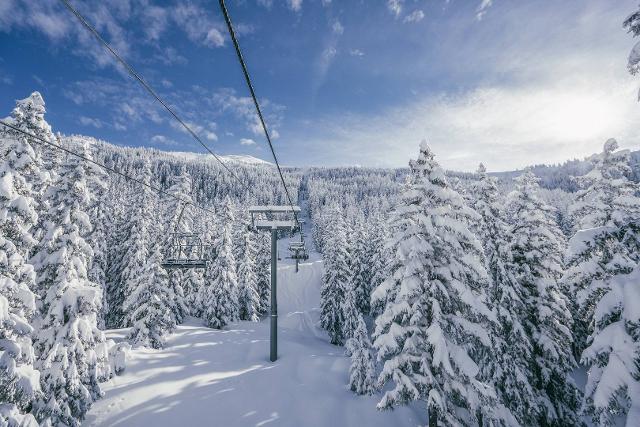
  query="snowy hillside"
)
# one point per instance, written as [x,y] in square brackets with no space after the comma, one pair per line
[243,159]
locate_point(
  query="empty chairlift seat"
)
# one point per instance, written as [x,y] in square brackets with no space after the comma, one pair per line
[185,250]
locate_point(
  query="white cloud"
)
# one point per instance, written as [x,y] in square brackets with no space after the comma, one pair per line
[356,52]
[243,108]
[88,121]
[337,28]
[295,5]
[415,16]
[199,130]
[482,9]
[215,38]
[395,7]
[247,141]
[195,22]
[504,126]
[163,140]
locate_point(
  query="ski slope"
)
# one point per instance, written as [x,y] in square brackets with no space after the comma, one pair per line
[224,377]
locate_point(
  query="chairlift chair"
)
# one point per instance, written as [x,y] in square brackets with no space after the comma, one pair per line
[185,250]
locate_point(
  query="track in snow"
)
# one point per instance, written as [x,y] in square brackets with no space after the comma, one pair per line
[224,378]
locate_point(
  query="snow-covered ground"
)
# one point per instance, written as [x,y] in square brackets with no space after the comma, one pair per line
[224,378]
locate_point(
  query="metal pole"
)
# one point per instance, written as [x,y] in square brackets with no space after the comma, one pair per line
[274,301]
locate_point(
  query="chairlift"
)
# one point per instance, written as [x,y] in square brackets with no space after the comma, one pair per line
[185,250]
[298,251]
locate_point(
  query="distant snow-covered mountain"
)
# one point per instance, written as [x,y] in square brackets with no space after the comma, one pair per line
[237,158]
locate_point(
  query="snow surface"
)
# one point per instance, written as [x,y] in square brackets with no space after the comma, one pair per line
[224,377]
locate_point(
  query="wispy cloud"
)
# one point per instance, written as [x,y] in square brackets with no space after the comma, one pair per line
[534,124]
[88,121]
[242,107]
[295,5]
[356,52]
[195,22]
[247,141]
[482,9]
[415,16]
[395,7]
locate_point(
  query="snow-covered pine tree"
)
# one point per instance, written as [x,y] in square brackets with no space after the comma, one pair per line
[19,381]
[97,180]
[362,370]
[361,267]
[219,295]
[632,24]
[180,221]
[380,256]
[605,203]
[117,237]
[248,297]
[537,246]
[263,272]
[336,276]
[67,333]
[28,115]
[512,345]
[432,332]
[350,311]
[603,260]
[148,305]
[135,252]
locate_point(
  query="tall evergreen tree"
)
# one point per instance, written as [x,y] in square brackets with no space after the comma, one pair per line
[336,276]
[432,332]
[512,345]
[263,272]
[248,298]
[19,380]
[67,334]
[148,305]
[180,220]
[362,370]
[135,249]
[219,295]
[537,247]
[603,260]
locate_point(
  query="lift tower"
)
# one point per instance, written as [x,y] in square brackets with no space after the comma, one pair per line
[274,219]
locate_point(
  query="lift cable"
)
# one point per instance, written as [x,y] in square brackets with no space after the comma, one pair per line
[146,86]
[255,103]
[105,167]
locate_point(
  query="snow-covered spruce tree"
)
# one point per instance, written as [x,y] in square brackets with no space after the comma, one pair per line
[180,220]
[362,370]
[632,24]
[603,259]
[67,333]
[432,332]
[604,205]
[148,305]
[537,246]
[337,276]
[219,295]
[117,238]
[263,272]
[135,244]
[97,237]
[350,311]
[380,256]
[512,344]
[28,115]
[361,268]
[19,381]
[248,297]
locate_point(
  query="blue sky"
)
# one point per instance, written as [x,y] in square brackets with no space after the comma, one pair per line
[506,82]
